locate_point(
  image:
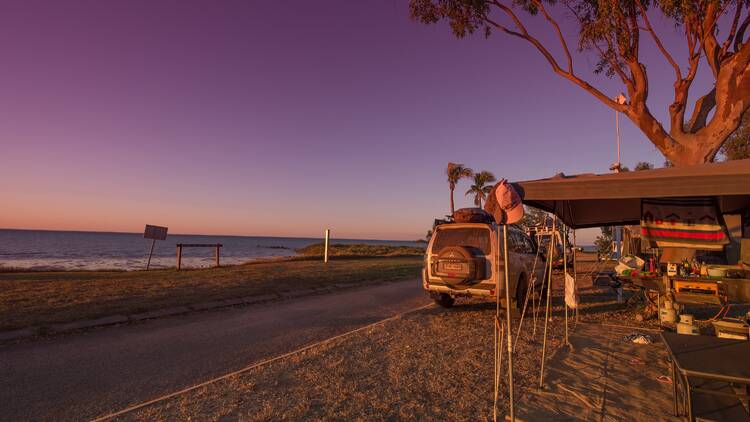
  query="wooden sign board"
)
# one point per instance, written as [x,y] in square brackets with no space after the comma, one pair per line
[155,232]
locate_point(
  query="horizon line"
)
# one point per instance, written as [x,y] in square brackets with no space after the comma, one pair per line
[197,234]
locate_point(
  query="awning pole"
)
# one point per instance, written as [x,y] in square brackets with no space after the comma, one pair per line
[507,320]
[565,277]
[547,308]
[496,322]
[575,267]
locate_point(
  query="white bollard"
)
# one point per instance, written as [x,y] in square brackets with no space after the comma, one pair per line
[325,253]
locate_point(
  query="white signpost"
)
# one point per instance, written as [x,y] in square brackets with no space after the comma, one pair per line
[154,233]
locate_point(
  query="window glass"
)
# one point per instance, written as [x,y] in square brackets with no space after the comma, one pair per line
[468,237]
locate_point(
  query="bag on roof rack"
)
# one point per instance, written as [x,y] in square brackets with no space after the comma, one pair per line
[472,215]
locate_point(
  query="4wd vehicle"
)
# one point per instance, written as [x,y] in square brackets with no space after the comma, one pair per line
[460,261]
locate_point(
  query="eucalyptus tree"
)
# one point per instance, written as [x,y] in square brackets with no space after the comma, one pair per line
[613,31]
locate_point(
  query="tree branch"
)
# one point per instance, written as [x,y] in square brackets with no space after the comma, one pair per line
[612,63]
[554,24]
[708,39]
[732,31]
[658,42]
[741,33]
[703,107]
[524,34]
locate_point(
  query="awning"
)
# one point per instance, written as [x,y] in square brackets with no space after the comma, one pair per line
[591,200]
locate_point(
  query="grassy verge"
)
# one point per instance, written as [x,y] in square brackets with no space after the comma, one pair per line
[361,250]
[39,298]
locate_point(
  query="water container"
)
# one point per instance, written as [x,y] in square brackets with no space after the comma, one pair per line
[686,326]
[687,319]
[667,313]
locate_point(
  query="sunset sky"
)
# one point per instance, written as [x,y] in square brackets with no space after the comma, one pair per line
[281,118]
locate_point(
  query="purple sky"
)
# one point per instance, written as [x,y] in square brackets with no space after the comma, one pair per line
[280,117]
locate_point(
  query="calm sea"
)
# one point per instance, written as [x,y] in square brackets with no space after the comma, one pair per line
[40,249]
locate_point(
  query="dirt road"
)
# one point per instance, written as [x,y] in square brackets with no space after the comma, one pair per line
[85,375]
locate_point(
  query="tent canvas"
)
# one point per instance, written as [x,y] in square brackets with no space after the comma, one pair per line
[590,200]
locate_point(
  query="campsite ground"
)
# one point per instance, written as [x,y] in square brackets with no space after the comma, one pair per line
[33,299]
[429,364]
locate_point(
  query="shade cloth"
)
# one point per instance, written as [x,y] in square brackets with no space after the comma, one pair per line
[590,200]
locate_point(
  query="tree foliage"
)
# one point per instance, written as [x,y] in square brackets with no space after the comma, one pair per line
[643,165]
[613,31]
[533,217]
[737,147]
[603,242]
[456,172]
[481,186]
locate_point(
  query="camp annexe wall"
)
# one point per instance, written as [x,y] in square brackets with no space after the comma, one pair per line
[590,200]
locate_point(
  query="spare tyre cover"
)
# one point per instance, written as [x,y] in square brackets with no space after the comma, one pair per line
[459,265]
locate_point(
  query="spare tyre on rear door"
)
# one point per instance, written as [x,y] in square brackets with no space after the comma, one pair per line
[458,265]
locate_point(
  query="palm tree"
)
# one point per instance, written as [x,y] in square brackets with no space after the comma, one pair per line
[455,173]
[481,187]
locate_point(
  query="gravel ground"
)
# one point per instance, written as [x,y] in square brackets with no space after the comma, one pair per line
[433,364]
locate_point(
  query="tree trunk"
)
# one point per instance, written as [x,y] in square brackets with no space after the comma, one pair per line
[452,209]
[698,141]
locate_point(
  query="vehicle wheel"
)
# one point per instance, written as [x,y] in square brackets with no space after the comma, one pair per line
[444,299]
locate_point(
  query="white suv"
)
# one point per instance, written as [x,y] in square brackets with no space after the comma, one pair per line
[460,261]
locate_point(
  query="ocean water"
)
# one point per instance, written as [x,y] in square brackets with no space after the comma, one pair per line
[41,249]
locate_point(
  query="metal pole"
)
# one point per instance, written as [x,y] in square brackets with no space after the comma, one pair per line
[325,253]
[565,279]
[617,126]
[148,263]
[179,256]
[495,324]
[507,320]
[546,312]
[575,265]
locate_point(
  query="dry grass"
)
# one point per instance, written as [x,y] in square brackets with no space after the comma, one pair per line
[360,250]
[37,298]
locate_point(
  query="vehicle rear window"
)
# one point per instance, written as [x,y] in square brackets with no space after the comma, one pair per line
[476,238]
